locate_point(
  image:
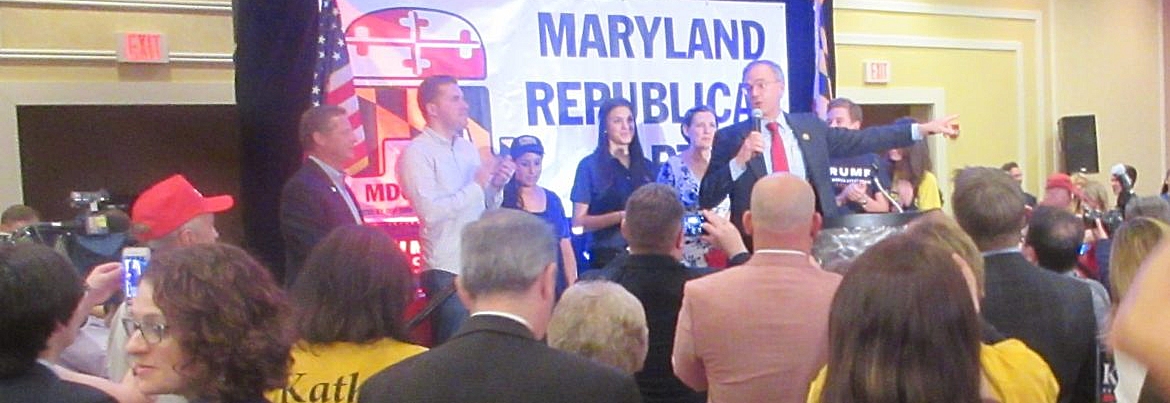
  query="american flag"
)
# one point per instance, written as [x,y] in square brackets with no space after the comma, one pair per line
[822,83]
[332,75]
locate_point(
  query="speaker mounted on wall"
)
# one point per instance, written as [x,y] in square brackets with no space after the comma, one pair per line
[1078,143]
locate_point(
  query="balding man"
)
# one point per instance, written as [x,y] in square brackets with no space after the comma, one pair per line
[766,347]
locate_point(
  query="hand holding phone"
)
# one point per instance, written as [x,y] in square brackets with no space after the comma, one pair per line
[693,223]
[134,263]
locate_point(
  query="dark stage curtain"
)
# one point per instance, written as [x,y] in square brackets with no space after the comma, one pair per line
[275,53]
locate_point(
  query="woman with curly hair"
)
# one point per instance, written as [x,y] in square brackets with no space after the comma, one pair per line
[209,324]
[348,301]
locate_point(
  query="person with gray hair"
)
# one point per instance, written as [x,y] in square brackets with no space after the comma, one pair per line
[508,284]
[601,321]
[797,143]
[1148,206]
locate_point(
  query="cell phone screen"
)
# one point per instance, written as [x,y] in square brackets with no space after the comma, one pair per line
[693,224]
[134,263]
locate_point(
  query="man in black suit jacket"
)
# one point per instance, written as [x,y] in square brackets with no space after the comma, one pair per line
[316,200]
[39,294]
[1051,313]
[742,155]
[497,355]
[653,274]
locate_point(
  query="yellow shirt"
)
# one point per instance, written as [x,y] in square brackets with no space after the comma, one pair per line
[927,196]
[334,372]
[1015,372]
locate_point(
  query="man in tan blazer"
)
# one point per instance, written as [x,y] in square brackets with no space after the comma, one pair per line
[758,332]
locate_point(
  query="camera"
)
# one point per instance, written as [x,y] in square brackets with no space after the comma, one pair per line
[88,200]
[1110,220]
[693,223]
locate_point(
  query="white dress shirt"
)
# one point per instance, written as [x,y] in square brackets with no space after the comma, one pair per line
[438,177]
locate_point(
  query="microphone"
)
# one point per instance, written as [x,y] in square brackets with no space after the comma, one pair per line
[1118,172]
[881,189]
[758,125]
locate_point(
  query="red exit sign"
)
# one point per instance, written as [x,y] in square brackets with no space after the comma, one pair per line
[141,47]
[876,71]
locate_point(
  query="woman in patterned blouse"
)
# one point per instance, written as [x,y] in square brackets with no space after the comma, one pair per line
[684,172]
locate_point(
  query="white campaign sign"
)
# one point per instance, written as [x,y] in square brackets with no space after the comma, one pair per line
[543,68]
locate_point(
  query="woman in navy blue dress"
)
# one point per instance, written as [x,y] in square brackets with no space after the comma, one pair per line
[606,178]
[522,193]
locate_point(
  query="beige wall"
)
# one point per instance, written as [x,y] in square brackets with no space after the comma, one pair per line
[1011,68]
[1166,78]
[61,52]
[1109,61]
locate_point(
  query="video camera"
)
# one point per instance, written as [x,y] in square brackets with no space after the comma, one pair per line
[1110,219]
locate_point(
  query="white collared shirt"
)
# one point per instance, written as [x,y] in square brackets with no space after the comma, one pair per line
[338,179]
[503,314]
[438,177]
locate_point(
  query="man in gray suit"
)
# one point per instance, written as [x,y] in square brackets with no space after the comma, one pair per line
[508,283]
[1051,313]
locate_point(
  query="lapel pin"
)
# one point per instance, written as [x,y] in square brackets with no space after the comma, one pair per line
[804,136]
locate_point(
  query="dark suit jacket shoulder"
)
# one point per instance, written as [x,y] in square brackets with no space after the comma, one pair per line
[1051,313]
[496,359]
[310,207]
[40,384]
[657,281]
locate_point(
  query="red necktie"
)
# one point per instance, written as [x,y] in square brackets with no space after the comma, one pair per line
[779,157]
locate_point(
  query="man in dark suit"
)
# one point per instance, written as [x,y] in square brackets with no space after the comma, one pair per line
[316,199]
[497,355]
[39,295]
[1051,313]
[798,143]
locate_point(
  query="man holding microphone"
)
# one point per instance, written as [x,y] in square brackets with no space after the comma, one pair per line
[797,143]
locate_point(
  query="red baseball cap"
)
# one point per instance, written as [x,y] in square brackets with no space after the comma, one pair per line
[1063,181]
[169,204]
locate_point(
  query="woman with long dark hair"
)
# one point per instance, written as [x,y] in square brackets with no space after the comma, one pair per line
[523,193]
[915,187]
[348,305]
[684,172]
[605,179]
[904,327]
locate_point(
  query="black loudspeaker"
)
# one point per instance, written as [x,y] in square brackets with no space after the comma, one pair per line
[1078,143]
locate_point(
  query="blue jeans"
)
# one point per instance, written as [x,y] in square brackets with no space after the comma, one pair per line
[451,313]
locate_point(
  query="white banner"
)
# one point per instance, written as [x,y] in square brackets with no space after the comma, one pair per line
[543,68]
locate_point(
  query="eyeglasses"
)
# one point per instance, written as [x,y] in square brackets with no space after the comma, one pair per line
[153,333]
[756,85]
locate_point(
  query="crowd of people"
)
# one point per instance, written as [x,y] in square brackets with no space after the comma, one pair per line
[1009,299]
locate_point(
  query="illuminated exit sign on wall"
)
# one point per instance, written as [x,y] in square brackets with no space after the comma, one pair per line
[142,47]
[877,71]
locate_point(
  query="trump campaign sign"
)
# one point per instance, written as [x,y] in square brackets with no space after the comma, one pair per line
[543,68]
